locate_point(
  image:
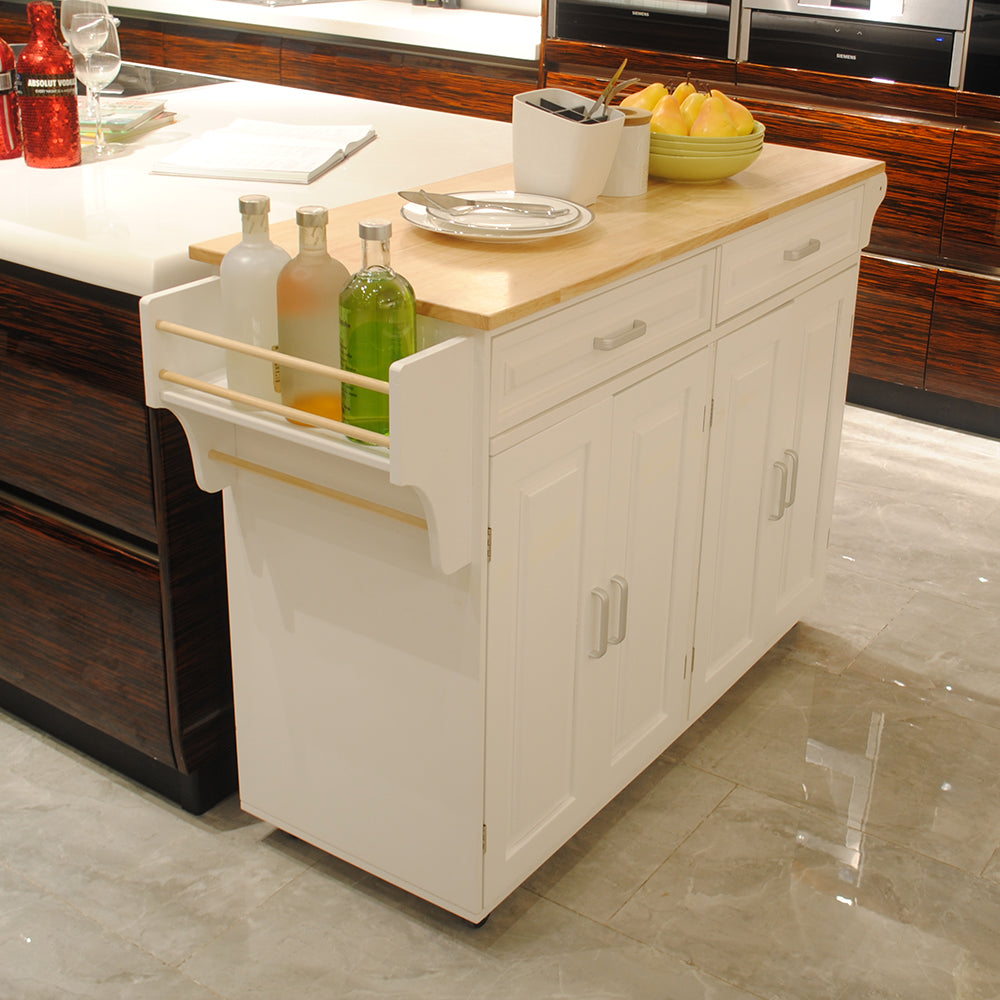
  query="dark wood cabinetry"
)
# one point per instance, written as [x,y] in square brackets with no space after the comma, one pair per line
[113,626]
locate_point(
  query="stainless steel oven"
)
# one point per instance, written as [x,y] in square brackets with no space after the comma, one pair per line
[706,28]
[907,41]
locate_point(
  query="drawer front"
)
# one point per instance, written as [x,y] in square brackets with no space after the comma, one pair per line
[81,627]
[775,255]
[548,360]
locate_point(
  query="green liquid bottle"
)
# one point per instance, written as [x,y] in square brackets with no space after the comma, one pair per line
[378,324]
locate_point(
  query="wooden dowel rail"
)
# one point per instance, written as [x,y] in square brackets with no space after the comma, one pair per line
[273,357]
[326,491]
[288,412]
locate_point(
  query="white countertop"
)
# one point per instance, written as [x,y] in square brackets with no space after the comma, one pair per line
[476,32]
[117,225]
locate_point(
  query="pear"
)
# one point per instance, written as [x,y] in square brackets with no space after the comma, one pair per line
[684,90]
[741,117]
[691,105]
[645,98]
[667,118]
[713,119]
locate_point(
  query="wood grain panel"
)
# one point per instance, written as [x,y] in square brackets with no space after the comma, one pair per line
[971,105]
[224,52]
[463,93]
[72,408]
[191,544]
[14,23]
[854,89]
[963,357]
[564,58]
[367,73]
[892,320]
[89,611]
[141,41]
[908,223]
[971,229]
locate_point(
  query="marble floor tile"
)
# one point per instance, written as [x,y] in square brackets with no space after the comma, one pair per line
[951,550]
[943,651]
[872,755]
[50,951]
[600,868]
[854,609]
[370,940]
[766,895]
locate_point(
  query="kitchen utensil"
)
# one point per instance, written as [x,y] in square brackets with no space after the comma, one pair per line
[605,94]
[499,220]
[455,205]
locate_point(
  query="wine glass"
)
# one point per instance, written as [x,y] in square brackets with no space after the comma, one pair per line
[67,11]
[98,59]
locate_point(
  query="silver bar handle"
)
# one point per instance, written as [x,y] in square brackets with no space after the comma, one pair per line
[782,490]
[793,458]
[621,585]
[808,248]
[616,340]
[602,619]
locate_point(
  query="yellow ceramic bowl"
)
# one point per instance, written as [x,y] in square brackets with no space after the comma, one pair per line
[688,143]
[700,168]
[701,154]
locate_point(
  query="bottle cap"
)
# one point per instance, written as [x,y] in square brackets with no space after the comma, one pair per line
[254,204]
[311,215]
[375,229]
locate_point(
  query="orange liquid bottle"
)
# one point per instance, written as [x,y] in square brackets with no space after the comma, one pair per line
[308,294]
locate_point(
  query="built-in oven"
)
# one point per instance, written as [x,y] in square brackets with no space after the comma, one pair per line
[708,28]
[907,41]
[982,66]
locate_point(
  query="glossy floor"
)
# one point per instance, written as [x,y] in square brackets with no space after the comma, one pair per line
[829,831]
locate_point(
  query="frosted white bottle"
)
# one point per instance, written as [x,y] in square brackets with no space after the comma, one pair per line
[249,273]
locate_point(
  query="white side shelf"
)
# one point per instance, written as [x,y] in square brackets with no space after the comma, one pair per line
[431,441]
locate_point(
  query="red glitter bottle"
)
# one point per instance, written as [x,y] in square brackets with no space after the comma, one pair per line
[50,124]
[10,128]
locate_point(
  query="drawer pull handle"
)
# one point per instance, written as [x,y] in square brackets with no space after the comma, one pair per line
[636,330]
[602,619]
[621,584]
[782,491]
[803,251]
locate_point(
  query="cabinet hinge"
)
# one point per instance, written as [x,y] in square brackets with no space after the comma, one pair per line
[484,838]
[489,544]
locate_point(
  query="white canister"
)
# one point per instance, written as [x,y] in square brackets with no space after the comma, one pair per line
[630,171]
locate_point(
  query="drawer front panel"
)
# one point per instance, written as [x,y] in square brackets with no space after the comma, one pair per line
[544,362]
[775,255]
[72,407]
[81,628]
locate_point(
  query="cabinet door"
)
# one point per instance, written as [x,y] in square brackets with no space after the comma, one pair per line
[654,532]
[547,515]
[772,455]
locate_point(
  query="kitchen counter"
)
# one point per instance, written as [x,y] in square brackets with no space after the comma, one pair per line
[469,32]
[485,286]
[116,225]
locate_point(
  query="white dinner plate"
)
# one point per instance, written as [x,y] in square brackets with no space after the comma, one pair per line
[501,220]
[420,217]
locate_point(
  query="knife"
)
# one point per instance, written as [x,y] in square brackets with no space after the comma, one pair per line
[460,206]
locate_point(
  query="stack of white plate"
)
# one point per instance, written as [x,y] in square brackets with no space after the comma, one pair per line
[703,158]
[500,225]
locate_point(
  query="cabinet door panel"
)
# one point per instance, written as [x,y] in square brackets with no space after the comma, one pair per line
[970,230]
[547,514]
[654,528]
[740,481]
[243,55]
[963,356]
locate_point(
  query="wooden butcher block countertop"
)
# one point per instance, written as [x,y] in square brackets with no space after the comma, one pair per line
[489,285]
